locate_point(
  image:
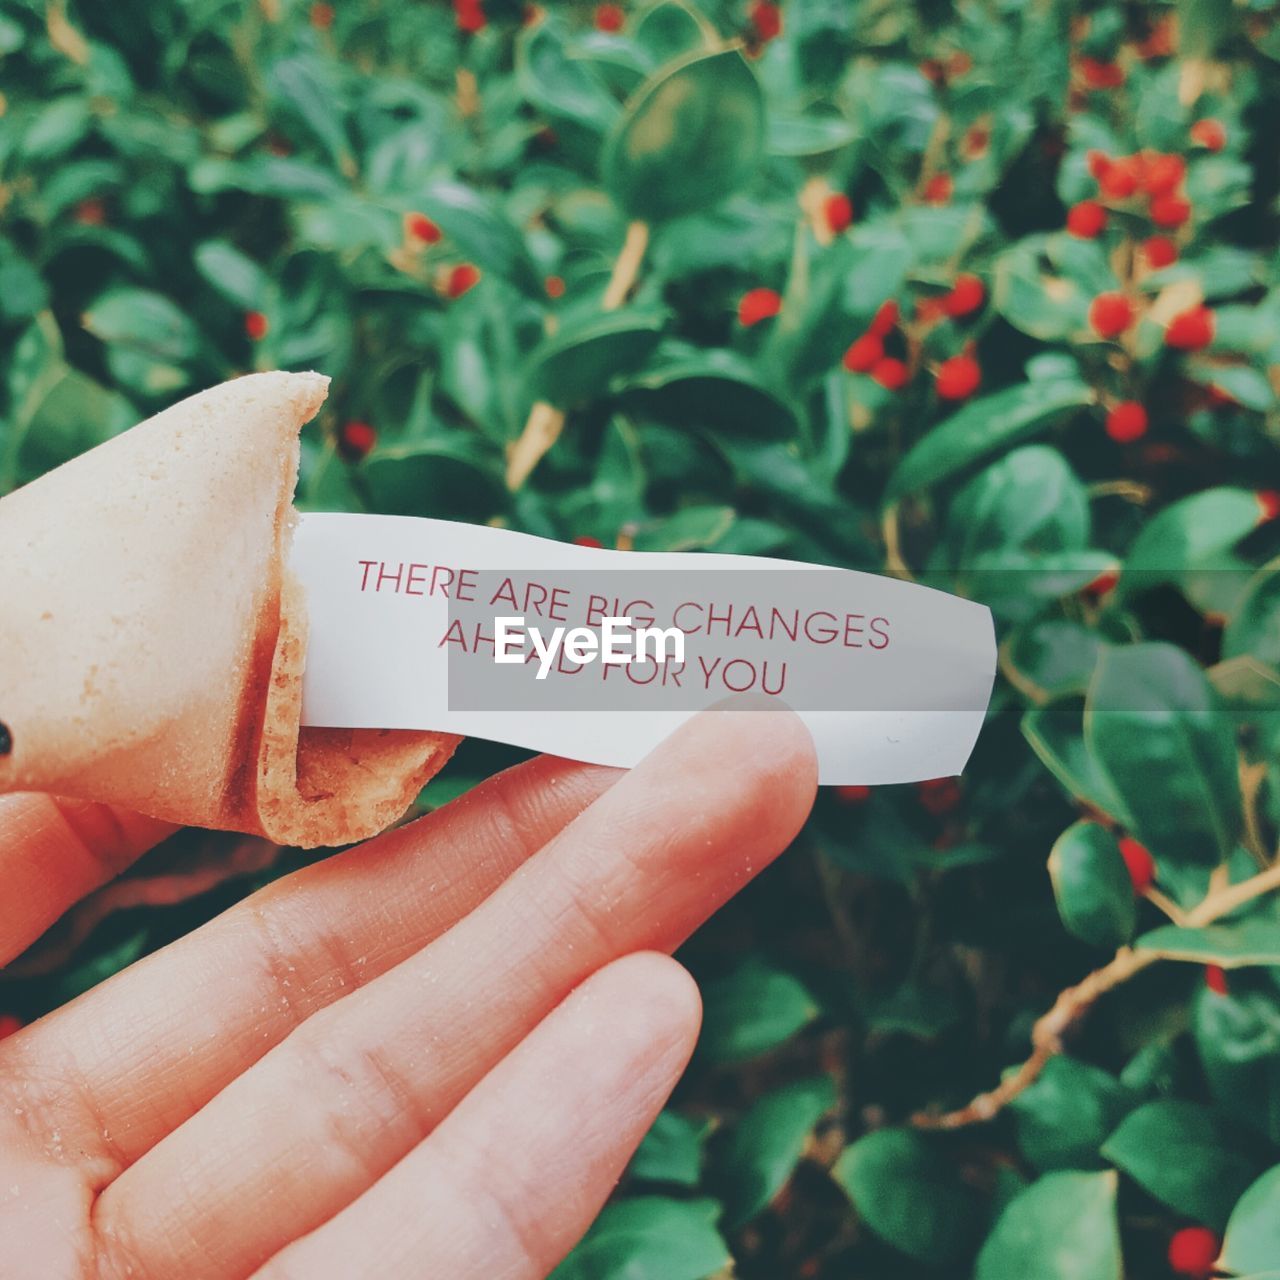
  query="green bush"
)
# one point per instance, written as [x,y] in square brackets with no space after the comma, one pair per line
[987,293]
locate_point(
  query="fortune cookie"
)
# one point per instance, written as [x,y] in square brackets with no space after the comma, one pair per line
[152,639]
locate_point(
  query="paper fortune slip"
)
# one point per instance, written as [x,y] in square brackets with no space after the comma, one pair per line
[598,655]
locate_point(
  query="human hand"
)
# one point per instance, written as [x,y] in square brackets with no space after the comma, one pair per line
[432,1054]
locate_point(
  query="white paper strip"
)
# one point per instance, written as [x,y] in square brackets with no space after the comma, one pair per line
[892,678]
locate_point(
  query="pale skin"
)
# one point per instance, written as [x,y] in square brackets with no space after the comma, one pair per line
[431,1055]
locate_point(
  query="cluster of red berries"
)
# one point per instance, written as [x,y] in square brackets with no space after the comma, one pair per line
[469,15]
[867,355]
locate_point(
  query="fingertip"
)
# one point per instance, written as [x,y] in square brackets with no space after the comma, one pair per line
[662,1000]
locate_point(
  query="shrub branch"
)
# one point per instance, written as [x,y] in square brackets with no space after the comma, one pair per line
[1049,1034]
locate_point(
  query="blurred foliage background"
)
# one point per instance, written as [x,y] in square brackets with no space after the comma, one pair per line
[983,290]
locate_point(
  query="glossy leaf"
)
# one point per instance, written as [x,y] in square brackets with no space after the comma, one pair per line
[1092,887]
[767,1143]
[581,360]
[910,1195]
[752,1009]
[1234,944]
[1063,1227]
[649,1238]
[982,427]
[1186,1156]
[1152,714]
[1253,1231]
[687,139]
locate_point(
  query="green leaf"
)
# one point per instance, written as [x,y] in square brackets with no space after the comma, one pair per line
[910,1195]
[983,427]
[450,480]
[671,30]
[1051,658]
[1062,1227]
[687,139]
[767,1143]
[1092,887]
[1193,534]
[1254,628]
[649,1238]
[580,361]
[1233,944]
[1253,1231]
[559,84]
[715,389]
[1065,1116]
[1152,714]
[751,1010]
[671,1151]
[1056,734]
[690,529]
[232,274]
[1186,1156]
[481,233]
[144,320]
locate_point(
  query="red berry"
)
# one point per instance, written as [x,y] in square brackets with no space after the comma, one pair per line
[586,540]
[1110,314]
[1163,175]
[1268,503]
[891,374]
[1086,219]
[420,227]
[837,209]
[1127,422]
[1190,330]
[356,440]
[1120,181]
[91,212]
[758,304]
[1169,211]
[255,325]
[958,378]
[1209,134]
[1215,978]
[976,141]
[864,353]
[767,20]
[885,319]
[938,189]
[554,285]
[938,796]
[1193,1251]
[1142,866]
[1101,75]
[852,796]
[9,1023]
[966,296]
[1103,585]
[1099,164]
[1159,251]
[469,16]
[609,17]
[463,277]
[322,16]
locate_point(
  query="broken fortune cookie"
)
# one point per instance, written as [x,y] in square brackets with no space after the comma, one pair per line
[152,640]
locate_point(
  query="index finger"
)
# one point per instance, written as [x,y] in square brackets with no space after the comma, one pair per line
[54,851]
